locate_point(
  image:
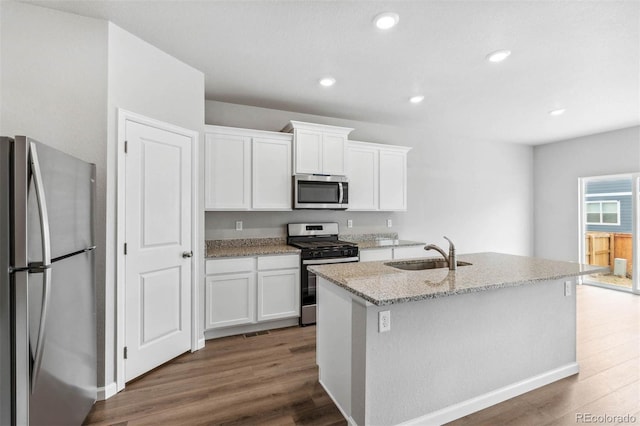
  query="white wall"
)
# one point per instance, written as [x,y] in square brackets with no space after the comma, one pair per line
[557,169]
[144,80]
[479,195]
[63,78]
[54,89]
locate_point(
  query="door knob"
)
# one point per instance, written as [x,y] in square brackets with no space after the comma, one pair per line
[187,254]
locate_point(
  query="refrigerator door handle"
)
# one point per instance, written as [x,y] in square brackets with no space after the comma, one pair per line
[46,261]
[42,206]
[42,327]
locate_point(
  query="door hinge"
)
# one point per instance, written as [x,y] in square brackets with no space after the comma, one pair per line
[125,248]
[125,352]
[126,147]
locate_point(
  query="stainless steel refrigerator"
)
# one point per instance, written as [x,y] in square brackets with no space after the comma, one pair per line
[47,285]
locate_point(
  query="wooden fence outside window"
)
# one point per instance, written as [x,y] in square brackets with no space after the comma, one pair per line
[601,248]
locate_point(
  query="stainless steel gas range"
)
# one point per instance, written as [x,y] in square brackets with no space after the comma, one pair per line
[319,245]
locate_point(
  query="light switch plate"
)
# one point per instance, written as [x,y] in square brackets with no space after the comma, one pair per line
[567,288]
[238,225]
[389,223]
[349,223]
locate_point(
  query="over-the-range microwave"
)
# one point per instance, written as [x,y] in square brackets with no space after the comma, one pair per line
[320,192]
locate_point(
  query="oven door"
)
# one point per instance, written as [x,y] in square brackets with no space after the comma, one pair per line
[308,287]
[320,192]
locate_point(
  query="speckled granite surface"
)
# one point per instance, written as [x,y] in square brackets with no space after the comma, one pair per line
[364,245]
[380,240]
[358,238]
[248,247]
[380,284]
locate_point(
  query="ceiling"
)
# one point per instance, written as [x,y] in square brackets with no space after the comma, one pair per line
[583,56]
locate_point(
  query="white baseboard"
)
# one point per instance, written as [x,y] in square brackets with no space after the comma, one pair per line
[107,391]
[350,421]
[251,328]
[201,343]
[481,402]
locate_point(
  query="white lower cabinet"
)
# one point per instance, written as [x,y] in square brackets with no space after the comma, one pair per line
[252,289]
[410,252]
[231,299]
[392,253]
[372,255]
[278,294]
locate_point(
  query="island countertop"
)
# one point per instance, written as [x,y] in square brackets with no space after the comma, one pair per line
[380,284]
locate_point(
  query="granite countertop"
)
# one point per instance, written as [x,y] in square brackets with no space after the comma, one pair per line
[378,240]
[364,245]
[380,284]
[248,247]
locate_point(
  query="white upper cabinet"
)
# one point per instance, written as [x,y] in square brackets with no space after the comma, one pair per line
[377,176]
[247,169]
[363,176]
[227,171]
[393,179]
[271,172]
[318,148]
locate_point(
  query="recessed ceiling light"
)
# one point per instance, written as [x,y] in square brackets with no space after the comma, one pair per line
[416,99]
[386,20]
[327,81]
[498,55]
[558,111]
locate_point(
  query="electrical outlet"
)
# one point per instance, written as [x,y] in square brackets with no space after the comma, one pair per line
[384,321]
[238,225]
[389,223]
[567,288]
[349,223]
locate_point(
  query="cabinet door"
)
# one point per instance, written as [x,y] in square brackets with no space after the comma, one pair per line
[278,294]
[333,154]
[308,149]
[363,178]
[411,252]
[371,255]
[393,180]
[227,172]
[271,174]
[230,300]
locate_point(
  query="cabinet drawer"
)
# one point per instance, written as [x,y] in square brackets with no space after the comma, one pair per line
[278,262]
[225,266]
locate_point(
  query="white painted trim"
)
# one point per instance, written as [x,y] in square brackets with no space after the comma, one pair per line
[635,232]
[608,194]
[239,131]
[196,335]
[106,392]
[215,333]
[349,419]
[488,399]
[581,226]
[201,343]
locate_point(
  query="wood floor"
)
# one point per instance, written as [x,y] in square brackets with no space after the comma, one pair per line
[272,379]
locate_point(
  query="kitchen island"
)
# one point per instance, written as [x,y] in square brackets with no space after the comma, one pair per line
[458,341]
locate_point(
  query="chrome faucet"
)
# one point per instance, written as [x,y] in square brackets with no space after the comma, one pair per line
[451,259]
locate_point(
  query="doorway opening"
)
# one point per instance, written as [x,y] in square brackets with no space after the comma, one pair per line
[609,225]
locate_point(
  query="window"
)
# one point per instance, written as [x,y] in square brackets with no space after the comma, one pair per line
[603,212]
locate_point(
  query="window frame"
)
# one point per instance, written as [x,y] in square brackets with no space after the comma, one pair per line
[601,223]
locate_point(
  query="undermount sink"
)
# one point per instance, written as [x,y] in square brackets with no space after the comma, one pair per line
[417,265]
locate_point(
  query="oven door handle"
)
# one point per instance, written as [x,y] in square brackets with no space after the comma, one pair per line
[327,261]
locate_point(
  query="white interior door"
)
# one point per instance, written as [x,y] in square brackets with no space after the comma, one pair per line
[158,243]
